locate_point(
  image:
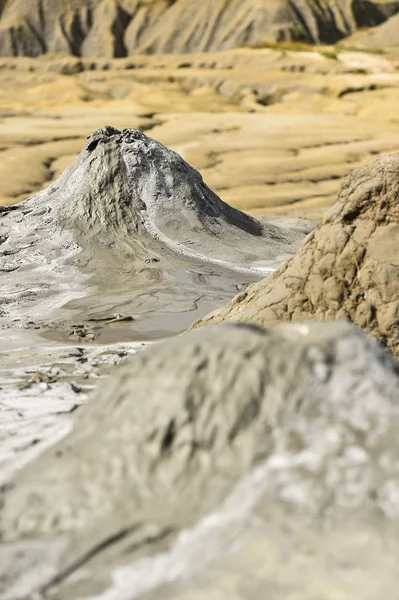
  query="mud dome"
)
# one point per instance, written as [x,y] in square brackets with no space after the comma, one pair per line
[277,439]
[129,231]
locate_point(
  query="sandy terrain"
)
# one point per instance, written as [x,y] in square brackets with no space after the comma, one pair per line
[269,130]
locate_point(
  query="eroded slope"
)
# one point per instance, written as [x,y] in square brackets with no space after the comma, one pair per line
[120,27]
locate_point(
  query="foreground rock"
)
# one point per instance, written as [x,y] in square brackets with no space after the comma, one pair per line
[129,232]
[348,268]
[116,28]
[175,435]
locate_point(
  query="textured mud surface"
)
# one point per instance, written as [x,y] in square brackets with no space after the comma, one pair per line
[161,463]
[42,384]
[129,234]
[347,269]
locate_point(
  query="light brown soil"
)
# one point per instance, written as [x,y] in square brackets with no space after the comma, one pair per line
[269,130]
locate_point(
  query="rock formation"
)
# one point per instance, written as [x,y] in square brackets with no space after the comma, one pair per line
[173,433]
[348,268]
[130,226]
[386,34]
[116,28]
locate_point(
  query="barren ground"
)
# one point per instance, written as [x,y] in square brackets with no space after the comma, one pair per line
[271,131]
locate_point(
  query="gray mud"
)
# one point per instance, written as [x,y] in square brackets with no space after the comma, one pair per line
[42,384]
[129,243]
[233,462]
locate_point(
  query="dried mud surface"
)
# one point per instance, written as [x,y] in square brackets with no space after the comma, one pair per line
[272,131]
[348,268]
[269,130]
[229,440]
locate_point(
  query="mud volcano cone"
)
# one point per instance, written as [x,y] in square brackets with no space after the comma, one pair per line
[130,228]
[127,184]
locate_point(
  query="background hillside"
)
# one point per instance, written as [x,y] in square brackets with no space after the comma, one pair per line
[116,28]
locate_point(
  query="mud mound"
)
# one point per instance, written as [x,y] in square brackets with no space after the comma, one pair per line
[117,28]
[348,268]
[130,229]
[171,434]
[127,183]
